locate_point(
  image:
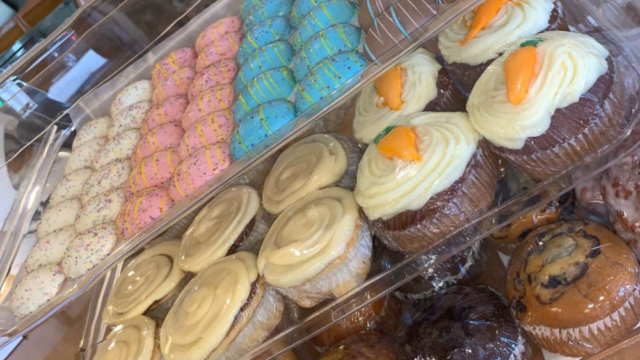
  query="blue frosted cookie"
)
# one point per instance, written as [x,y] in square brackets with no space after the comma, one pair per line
[301,8]
[321,17]
[271,85]
[274,55]
[259,124]
[327,76]
[247,6]
[265,33]
[265,10]
[328,42]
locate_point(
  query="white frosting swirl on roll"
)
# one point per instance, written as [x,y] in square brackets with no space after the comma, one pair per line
[308,236]
[419,77]
[133,339]
[568,64]
[386,187]
[217,226]
[310,164]
[205,310]
[514,21]
[148,278]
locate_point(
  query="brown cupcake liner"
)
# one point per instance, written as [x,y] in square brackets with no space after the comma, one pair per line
[449,96]
[354,153]
[448,211]
[261,224]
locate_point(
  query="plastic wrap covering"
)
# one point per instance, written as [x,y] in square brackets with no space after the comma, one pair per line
[367,345]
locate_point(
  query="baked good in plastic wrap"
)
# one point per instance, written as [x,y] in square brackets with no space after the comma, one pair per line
[132,339]
[573,287]
[366,345]
[424,178]
[318,248]
[589,195]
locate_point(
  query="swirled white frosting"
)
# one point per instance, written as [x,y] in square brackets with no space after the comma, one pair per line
[310,164]
[205,310]
[133,339]
[217,227]
[308,236]
[386,187]
[147,279]
[568,64]
[514,21]
[419,77]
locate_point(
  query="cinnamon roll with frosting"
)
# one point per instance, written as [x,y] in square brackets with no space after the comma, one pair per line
[133,339]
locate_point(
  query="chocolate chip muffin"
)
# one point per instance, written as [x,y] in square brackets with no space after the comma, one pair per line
[573,287]
[365,345]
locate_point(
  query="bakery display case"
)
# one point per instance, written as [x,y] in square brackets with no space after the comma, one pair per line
[267,179]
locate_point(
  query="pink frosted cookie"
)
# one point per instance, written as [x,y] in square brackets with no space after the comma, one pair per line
[213,128]
[83,156]
[36,289]
[199,168]
[222,72]
[176,60]
[138,91]
[128,119]
[92,130]
[177,84]
[223,47]
[50,249]
[160,138]
[216,30]
[120,148]
[212,100]
[154,171]
[110,177]
[100,210]
[170,111]
[142,209]
[59,217]
[88,250]
[70,186]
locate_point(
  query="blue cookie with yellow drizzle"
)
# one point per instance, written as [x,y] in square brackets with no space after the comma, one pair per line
[259,124]
[274,55]
[265,10]
[328,42]
[246,8]
[327,76]
[321,17]
[265,33]
[301,8]
[271,85]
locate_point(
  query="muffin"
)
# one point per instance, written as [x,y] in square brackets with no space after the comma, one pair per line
[573,287]
[318,248]
[541,118]
[133,339]
[416,83]
[366,345]
[425,178]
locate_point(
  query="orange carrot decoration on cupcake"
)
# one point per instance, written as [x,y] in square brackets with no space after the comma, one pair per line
[400,142]
[482,16]
[519,70]
[389,87]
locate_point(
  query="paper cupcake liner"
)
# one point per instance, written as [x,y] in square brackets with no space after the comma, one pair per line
[338,278]
[589,339]
[449,95]
[333,120]
[354,153]
[447,211]
[261,224]
[160,309]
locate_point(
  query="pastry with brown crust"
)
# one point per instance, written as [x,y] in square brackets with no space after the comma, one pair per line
[367,345]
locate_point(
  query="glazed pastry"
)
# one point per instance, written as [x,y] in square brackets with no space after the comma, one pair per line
[213,100]
[58,217]
[83,156]
[216,30]
[224,47]
[134,339]
[50,249]
[112,176]
[132,117]
[416,83]
[224,311]
[263,34]
[198,168]
[321,17]
[573,287]
[120,148]
[176,60]
[209,130]
[550,125]
[177,84]
[101,209]
[462,321]
[169,112]
[366,345]
[92,130]
[410,175]
[161,138]
[36,289]
[267,9]
[272,56]
[233,221]
[154,171]
[141,210]
[312,163]
[274,84]
[88,250]
[221,72]
[70,186]
[300,9]
[139,288]
[259,124]
[327,246]
[371,9]
[138,91]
